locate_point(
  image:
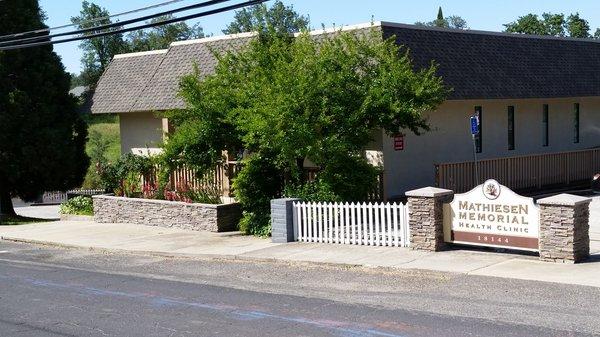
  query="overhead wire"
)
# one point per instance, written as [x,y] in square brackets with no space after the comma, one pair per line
[44,30]
[115,24]
[125,30]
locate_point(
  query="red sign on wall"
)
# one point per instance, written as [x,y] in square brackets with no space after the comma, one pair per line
[399,142]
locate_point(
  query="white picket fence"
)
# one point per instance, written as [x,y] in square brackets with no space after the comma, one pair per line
[57,197]
[372,224]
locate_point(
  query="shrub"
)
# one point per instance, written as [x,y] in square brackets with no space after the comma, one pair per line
[124,176]
[254,223]
[352,178]
[81,205]
[257,183]
[316,191]
[205,194]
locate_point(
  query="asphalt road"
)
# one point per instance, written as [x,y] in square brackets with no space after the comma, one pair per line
[55,292]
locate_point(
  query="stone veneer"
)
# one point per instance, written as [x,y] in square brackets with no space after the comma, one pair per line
[214,218]
[282,220]
[426,217]
[564,228]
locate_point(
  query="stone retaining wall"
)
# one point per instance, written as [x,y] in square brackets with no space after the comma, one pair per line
[213,218]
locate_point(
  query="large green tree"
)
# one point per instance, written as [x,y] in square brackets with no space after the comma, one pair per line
[284,101]
[98,51]
[282,18]
[551,24]
[160,37]
[41,135]
[577,26]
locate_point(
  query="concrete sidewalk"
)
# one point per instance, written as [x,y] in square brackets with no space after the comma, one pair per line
[174,242]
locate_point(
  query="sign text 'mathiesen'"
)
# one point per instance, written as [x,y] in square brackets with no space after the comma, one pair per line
[505,218]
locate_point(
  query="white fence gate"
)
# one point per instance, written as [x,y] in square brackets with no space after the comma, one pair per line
[57,197]
[372,224]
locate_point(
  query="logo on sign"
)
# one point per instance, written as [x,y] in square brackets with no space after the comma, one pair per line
[491,189]
[492,215]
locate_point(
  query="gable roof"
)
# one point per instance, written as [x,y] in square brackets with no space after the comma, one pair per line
[161,92]
[476,64]
[124,81]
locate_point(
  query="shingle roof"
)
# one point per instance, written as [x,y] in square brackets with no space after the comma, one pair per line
[477,65]
[124,81]
[161,92]
[488,65]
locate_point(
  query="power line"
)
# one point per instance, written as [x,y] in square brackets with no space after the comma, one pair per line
[162,23]
[39,31]
[114,25]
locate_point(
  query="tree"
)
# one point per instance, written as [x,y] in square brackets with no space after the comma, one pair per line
[577,27]
[528,24]
[160,37]
[551,24]
[283,19]
[42,137]
[453,21]
[554,24]
[284,101]
[98,51]
[76,81]
[440,21]
[456,22]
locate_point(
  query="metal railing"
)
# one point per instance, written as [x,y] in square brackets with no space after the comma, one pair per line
[522,172]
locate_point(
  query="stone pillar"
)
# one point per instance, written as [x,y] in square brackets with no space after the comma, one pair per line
[426,217]
[282,220]
[564,228]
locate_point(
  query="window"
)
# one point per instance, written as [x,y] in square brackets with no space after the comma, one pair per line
[511,127]
[545,126]
[576,124]
[479,135]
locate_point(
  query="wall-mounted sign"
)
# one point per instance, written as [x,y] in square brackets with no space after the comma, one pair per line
[399,142]
[492,215]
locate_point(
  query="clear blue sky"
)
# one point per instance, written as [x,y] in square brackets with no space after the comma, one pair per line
[482,15]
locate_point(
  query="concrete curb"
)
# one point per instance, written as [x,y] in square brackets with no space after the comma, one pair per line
[223,257]
[73,217]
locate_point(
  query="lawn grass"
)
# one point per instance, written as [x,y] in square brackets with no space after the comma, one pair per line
[108,128]
[10,220]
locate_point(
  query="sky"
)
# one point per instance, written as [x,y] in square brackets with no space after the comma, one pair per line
[481,15]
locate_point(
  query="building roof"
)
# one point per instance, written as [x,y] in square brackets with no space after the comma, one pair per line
[475,64]
[161,91]
[124,81]
[491,65]
[78,91]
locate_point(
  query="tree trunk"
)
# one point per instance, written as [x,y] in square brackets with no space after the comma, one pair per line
[6,205]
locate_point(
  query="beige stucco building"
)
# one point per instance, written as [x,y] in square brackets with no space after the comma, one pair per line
[533,95]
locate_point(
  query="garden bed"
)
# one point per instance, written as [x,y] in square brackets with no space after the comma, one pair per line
[162,213]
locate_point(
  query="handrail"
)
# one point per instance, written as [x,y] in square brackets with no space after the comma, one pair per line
[522,172]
